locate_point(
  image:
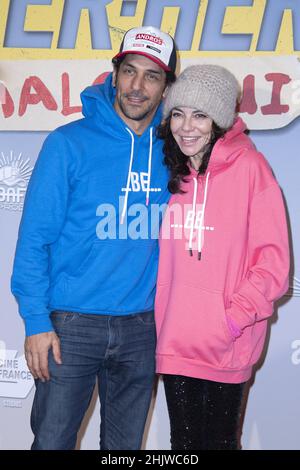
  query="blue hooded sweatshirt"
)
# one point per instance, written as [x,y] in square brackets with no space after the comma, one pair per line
[88,239]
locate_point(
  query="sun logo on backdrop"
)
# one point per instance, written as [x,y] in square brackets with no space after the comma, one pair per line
[15,173]
[14,170]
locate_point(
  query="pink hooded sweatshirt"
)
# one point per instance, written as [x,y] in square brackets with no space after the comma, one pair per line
[212,307]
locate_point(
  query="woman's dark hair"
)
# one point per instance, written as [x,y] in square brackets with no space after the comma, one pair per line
[176,161]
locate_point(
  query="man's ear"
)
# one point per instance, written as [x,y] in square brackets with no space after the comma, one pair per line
[165,92]
[114,77]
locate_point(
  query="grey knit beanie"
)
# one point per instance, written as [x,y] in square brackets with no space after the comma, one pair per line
[209,88]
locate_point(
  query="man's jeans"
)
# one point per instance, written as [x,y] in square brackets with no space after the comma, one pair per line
[120,352]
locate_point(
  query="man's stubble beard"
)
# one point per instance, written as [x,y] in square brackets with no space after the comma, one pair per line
[132,115]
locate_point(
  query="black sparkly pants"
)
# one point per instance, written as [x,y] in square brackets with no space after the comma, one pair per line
[204,415]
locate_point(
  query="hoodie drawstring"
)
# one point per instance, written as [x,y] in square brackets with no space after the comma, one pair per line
[193,216]
[128,176]
[149,166]
[201,218]
[129,172]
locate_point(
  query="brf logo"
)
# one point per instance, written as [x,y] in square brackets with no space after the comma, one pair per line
[15,173]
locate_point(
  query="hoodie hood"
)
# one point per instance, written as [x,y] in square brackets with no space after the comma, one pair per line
[233,144]
[98,99]
[227,149]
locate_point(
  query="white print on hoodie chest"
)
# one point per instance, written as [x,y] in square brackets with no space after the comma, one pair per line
[188,224]
[139,182]
[193,228]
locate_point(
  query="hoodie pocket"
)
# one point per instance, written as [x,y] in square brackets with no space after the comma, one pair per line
[113,278]
[195,326]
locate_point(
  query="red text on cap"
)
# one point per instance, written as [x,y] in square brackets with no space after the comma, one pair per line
[149,37]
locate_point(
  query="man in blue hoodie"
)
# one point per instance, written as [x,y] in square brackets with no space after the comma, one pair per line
[86,259]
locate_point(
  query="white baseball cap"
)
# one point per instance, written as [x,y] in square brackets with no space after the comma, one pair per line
[150,42]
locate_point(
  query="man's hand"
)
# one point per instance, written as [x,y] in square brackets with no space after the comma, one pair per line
[36,353]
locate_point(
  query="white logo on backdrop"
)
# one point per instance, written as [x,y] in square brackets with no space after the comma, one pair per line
[15,379]
[296,354]
[254,441]
[294,289]
[15,173]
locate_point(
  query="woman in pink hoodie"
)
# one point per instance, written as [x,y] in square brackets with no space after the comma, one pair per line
[224,259]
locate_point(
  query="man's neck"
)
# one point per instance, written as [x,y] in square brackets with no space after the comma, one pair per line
[138,127]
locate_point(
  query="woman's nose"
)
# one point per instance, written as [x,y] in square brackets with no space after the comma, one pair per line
[187,124]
